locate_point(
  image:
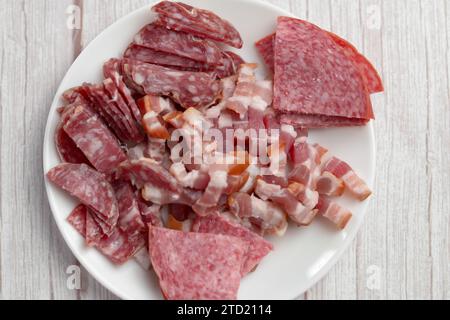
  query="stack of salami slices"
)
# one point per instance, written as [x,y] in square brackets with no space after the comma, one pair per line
[320,80]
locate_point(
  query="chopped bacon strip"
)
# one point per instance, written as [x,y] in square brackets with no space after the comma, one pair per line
[351,180]
[298,213]
[160,105]
[196,179]
[210,199]
[156,150]
[243,95]
[334,212]
[151,214]
[269,218]
[329,185]
[175,119]
[154,126]
[164,197]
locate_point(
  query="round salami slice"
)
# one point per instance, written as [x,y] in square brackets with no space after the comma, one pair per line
[313,75]
[202,23]
[196,266]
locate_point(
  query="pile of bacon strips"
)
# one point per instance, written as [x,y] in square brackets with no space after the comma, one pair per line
[199,225]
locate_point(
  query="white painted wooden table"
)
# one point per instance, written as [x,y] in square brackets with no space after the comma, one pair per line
[403,250]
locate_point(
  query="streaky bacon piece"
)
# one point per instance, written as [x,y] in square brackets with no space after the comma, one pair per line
[333,212]
[147,171]
[182,44]
[202,23]
[195,179]
[243,94]
[175,119]
[210,199]
[329,185]
[269,218]
[296,211]
[88,186]
[154,126]
[351,180]
[157,104]
[257,247]
[151,214]
[196,266]
[156,150]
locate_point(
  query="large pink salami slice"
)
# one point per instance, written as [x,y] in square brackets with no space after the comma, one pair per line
[189,89]
[257,247]
[313,75]
[265,47]
[202,23]
[318,121]
[95,140]
[369,73]
[179,43]
[196,266]
[67,149]
[88,186]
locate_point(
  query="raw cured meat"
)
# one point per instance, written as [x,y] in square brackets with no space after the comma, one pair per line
[88,186]
[330,82]
[67,149]
[147,171]
[369,73]
[78,219]
[202,23]
[333,212]
[265,47]
[257,247]
[196,266]
[320,121]
[189,89]
[95,140]
[352,182]
[178,43]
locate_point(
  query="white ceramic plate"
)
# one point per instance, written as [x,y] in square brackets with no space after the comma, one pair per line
[302,257]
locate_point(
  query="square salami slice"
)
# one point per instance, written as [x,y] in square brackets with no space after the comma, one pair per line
[265,47]
[257,247]
[318,121]
[196,266]
[313,75]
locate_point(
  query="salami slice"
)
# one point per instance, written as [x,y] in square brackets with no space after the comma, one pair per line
[143,171]
[369,73]
[318,121]
[257,247]
[265,47]
[125,116]
[95,140]
[182,44]
[94,233]
[88,186]
[330,82]
[196,266]
[67,149]
[202,23]
[117,247]
[189,89]
[113,69]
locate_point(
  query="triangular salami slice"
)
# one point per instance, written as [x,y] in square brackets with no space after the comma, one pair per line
[196,266]
[313,75]
[257,247]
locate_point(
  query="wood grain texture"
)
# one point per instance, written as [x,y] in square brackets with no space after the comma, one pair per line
[403,249]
